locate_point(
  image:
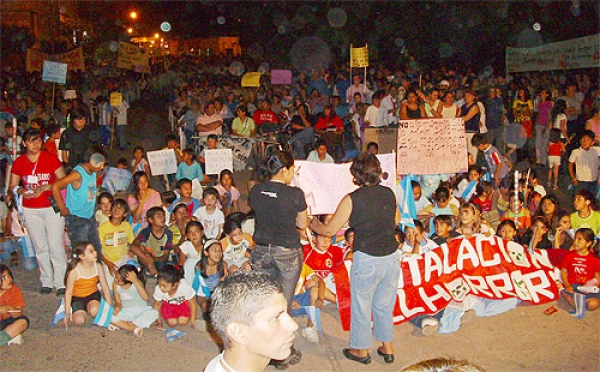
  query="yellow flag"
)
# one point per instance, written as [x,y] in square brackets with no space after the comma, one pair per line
[359,57]
[251,79]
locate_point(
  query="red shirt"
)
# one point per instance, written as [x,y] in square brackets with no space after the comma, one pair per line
[50,146]
[328,122]
[37,173]
[486,204]
[323,262]
[554,149]
[265,116]
[14,297]
[580,269]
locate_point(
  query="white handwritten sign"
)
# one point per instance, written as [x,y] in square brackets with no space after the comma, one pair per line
[54,72]
[217,160]
[431,146]
[70,94]
[162,162]
[325,185]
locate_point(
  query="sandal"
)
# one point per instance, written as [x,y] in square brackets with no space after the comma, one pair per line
[138,332]
[555,187]
[112,327]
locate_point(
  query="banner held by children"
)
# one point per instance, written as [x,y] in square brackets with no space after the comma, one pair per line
[217,160]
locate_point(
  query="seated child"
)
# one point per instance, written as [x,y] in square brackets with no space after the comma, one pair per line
[210,271]
[581,268]
[12,321]
[507,230]
[168,198]
[189,168]
[523,216]
[229,195]
[416,242]
[237,246]
[483,197]
[116,235]
[174,298]
[185,196]
[323,258]
[348,247]
[562,238]
[82,296]
[443,229]
[209,215]
[537,236]
[154,244]
[190,250]
[421,201]
[132,312]
[442,206]
[104,201]
[467,186]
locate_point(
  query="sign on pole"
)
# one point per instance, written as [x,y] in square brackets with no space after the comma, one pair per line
[54,72]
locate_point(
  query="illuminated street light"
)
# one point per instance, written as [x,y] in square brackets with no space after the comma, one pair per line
[130,30]
[133,15]
[156,35]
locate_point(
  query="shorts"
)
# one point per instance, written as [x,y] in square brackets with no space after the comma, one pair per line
[171,311]
[303,299]
[81,303]
[553,161]
[8,321]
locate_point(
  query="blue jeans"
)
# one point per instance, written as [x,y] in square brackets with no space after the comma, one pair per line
[13,245]
[284,264]
[84,229]
[373,288]
[120,134]
[300,140]
[105,134]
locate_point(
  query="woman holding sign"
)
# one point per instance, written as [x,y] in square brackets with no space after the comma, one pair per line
[372,212]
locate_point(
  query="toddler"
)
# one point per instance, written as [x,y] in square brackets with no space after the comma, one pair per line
[174,298]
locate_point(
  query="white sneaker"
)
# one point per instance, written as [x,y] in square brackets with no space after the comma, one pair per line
[16,341]
[310,333]
[429,326]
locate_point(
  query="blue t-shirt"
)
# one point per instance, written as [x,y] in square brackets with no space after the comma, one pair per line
[81,202]
[190,172]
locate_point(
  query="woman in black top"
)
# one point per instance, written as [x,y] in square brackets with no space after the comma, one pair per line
[372,212]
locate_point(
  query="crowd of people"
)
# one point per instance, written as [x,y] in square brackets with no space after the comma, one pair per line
[196,241]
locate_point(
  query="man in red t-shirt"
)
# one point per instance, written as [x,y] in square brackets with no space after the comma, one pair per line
[266,120]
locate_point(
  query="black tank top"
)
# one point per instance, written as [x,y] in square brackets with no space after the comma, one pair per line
[413,114]
[373,219]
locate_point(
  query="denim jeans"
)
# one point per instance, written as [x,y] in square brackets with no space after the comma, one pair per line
[373,288]
[84,229]
[13,245]
[46,230]
[120,134]
[285,264]
[300,140]
[105,134]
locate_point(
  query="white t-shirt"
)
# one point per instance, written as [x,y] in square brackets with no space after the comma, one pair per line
[211,222]
[218,364]
[184,292]
[192,258]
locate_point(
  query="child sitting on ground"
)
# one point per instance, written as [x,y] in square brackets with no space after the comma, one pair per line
[132,312]
[116,235]
[82,296]
[12,321]
[174,298]
[517,213]
[581,268]
[185,196]
[537,236]
[416,242]
[209,215]
[507,230]
[442,206]
[443,229]
[237,246]
[210,271]
[229,195]
[323,258]
[483,196]
[190,250]
[154,243]
[562,239]
[189,168]
[466,188]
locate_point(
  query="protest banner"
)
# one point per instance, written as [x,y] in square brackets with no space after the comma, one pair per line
[162,162]
[116,99]
[35,59]
[487,267]
[54,72]
[359,57]
[582,52]
[130,56]
[217,160]
[251,80]
[325,185]
[431,146]
[70,94]
[281,77]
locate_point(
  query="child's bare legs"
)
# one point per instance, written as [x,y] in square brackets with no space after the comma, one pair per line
[79,317]
[555,170]
[246,266]
[231,270]
[129,327]
[181,321]
[203,302]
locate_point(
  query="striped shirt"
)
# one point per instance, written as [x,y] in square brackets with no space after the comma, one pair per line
[586,163]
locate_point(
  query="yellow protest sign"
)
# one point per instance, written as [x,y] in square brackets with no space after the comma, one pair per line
[251,79]
[359,57]
[116,99]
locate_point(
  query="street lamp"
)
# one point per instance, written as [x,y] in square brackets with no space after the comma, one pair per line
[133,15]
[156,35]
[130,30]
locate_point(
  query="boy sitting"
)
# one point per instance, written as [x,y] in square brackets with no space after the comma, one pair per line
[416,242]
[323,258]
[209,215]
[153,244]
[443,229]
[185,196]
